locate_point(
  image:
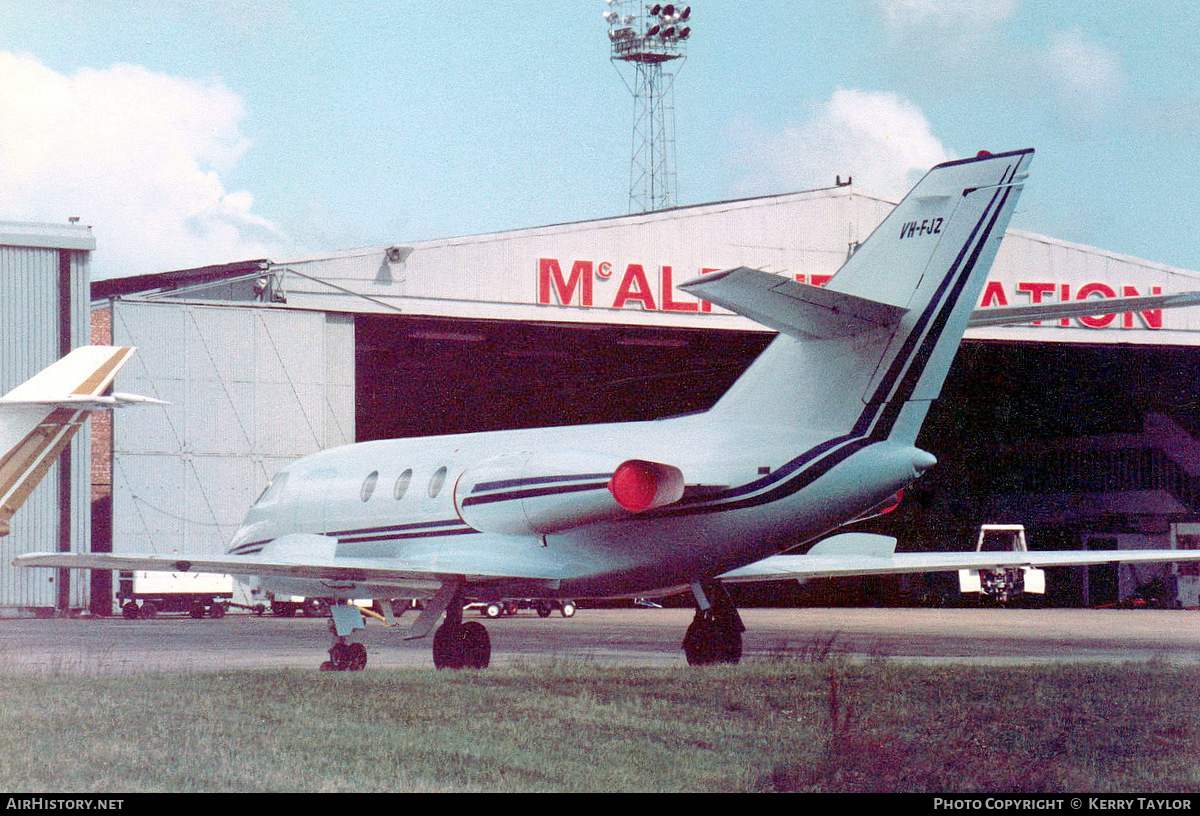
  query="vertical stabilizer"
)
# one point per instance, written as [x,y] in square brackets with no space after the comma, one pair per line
[923,268]
[39,417]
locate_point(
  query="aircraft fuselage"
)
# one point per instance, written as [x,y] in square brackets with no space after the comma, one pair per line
[539,501]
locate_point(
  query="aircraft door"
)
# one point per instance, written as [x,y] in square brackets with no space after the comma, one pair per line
[313,489]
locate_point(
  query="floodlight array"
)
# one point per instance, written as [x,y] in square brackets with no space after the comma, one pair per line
[653,35]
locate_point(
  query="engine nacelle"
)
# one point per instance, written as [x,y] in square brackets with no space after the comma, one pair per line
[534,493]
[638,485]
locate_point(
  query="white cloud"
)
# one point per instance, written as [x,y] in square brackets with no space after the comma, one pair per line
[879,138]
[970,15]
[137,154]
[1088,77]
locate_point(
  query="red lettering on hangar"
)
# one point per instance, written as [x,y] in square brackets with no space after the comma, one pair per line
[634,286]
[1046,292]
[635,290]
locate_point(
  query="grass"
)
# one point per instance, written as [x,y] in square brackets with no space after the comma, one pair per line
[810,725]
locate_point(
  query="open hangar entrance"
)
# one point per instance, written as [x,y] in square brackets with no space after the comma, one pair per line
[421,376]
[1088,446]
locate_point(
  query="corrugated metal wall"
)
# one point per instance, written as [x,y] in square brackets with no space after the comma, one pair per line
[250,389]
[36,328]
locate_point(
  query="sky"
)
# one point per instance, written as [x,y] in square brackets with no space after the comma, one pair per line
[211,131]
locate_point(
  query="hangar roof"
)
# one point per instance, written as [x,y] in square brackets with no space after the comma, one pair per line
[624,269]
[46,236]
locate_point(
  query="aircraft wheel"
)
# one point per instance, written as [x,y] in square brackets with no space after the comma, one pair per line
[476,646]
[448,647]
[697,644]
[707,642]
[356,657]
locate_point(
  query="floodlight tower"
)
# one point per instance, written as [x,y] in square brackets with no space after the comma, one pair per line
[648,41]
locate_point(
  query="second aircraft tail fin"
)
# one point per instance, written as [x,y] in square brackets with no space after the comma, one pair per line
[39,417]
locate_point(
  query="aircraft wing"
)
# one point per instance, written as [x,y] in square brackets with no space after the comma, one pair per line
[313,557]
[1012,315]
[848,560]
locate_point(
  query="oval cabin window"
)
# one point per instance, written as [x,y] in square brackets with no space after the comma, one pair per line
[435,484]
[369,485]
[402,484]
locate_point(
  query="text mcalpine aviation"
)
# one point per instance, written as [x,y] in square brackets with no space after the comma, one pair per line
[1035,292]
[635,288]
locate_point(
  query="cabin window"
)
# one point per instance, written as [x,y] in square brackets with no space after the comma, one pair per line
[369,484]
[402,484]
[435,484]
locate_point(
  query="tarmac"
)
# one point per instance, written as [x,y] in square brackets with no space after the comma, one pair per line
[608,637]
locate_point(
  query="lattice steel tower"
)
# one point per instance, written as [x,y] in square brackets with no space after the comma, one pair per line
[649,42]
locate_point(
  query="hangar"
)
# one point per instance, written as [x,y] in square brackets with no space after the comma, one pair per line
[1084,430]
[43,315]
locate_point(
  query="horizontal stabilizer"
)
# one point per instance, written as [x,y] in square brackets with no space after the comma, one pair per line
[40,416]
[1013,315]
[84,373]
[791,307]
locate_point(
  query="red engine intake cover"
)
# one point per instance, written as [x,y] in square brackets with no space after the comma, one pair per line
[638,485]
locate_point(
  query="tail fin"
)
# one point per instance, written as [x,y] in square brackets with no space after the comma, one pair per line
[868,355]
[39,417]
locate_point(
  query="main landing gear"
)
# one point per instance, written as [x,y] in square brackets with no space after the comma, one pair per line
[346,657]
[715,634]
[344,619]
[458,645]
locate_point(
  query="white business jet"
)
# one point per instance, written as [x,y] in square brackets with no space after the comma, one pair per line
[819,432]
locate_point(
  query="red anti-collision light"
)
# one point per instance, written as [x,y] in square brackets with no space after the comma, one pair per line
[634,485]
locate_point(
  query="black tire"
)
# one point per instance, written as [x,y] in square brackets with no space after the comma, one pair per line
[196,612]
[347,657]
[697,645]
[707,642]
[356,657]
[544,609]
[130,611]
[476,646]
[217,611]
[149,611]
[448,647]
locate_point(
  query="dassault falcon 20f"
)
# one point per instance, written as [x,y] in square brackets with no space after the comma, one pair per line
[820,431]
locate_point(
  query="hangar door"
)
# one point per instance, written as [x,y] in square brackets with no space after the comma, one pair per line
[418,376]
[250,389]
